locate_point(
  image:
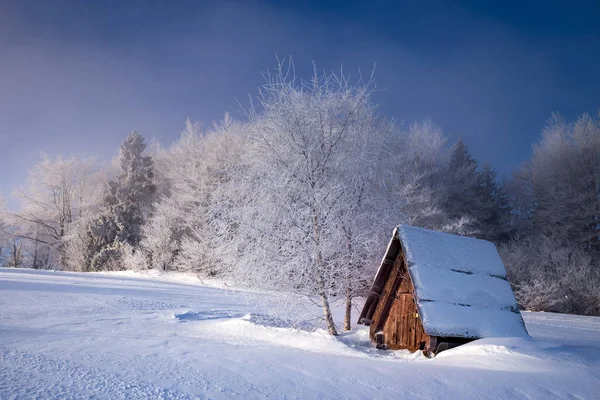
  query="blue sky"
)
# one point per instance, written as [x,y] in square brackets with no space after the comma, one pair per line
[77,76]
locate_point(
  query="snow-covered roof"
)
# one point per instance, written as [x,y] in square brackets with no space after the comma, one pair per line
[460,285]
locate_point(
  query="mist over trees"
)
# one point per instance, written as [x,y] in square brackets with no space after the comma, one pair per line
[302,195]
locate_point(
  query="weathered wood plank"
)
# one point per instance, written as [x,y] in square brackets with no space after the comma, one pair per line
[395,312]
[383,305]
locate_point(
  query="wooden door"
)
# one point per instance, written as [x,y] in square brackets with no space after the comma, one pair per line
[408,328]
[403,329]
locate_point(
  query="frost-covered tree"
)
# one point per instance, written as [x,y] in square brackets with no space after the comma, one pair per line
[551,276]
[192,222]
[493,213]
[554,263]
[126,205]
[59,192]
[14,257]
[420,183]
[462,184]
[416,167]
[314,144]
[164,231]
[162,234]
[130,197]
[362,220]
[564,175]
[4,231]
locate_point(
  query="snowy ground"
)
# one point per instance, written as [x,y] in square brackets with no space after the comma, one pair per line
[68,335]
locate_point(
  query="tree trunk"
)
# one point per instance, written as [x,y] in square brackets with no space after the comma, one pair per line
[327,312]
[326,308]
[35,252]
[348,314]
[16,254]
[321,280]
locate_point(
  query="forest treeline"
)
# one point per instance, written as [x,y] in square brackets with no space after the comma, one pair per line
[302,196]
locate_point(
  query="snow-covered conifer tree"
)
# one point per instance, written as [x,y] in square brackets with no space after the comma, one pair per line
[462,183]
[127,203]
[492,216]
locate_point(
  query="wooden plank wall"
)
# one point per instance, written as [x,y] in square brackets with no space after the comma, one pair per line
[403,328]
[368,311]
[385,302]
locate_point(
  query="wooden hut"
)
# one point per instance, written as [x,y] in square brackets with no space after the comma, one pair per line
[436,290]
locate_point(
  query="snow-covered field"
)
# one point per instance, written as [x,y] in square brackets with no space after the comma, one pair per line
[113,336]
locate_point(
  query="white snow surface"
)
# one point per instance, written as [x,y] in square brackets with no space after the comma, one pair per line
[139,336]
[460,284]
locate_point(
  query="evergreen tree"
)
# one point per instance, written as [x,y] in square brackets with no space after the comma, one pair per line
[462,183]
[131,196]
[493,212]
[127,203]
